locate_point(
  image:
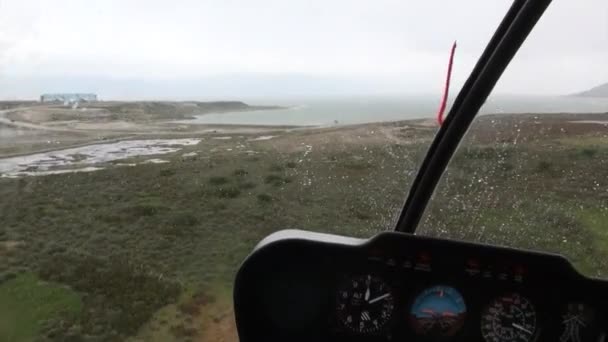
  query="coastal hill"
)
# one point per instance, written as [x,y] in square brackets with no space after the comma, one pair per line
[599,91]
[36,112]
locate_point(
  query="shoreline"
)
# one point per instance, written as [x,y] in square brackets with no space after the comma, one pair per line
[173,130]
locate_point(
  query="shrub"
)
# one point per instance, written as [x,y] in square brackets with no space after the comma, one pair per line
[357,164]
[175,231]
[543,166]
[228,192]
[276,168]
[264,198]
[180,331]
[184,219]
[487,153]
[145,209]
[240,172]
[247,185]
[361,210]
[362,216]
[506,166]
[192,306]
[292,165]
[218,206]
[275,180]
[167,172]
[589,152]
[218,180]
[118,296]
[6,276]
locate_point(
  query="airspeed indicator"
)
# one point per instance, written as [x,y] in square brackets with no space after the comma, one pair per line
[509,318]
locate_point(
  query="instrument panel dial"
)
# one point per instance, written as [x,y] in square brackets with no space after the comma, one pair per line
[579,324]
[365,304]
[438,311]
[509,318]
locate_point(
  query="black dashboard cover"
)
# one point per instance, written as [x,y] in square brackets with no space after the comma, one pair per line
[285,289]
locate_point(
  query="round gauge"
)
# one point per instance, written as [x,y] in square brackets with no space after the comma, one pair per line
[578,324]
[510,318]
[438,312]
[365,304]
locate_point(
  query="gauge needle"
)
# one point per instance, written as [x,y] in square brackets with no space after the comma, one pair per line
[377,299]
[517,326]
[367,292]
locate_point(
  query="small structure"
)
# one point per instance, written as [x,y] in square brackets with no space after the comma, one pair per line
[67,98]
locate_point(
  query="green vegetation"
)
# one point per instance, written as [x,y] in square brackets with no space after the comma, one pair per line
[166,109]
[543,166]
[264,198]
[240,172]
[132,240]
[595,222]
[544,200]
[228,192]
[27,304]
[120,297]
[589,152]
[218,180]
[151,251]
[276,180]
[247,185]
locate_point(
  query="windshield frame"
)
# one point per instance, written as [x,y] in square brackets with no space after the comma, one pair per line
[515,27]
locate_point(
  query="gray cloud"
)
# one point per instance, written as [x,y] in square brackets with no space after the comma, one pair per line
[390,45]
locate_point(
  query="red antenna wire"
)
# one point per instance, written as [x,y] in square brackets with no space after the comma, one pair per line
[446,90]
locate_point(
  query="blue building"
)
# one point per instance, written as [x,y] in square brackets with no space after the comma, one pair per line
[68,98]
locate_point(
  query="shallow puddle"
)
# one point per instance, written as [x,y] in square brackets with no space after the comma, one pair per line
[81,159]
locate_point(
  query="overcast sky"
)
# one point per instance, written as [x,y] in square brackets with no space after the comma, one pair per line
[254,47]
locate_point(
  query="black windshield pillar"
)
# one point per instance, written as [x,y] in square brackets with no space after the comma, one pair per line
[506,41]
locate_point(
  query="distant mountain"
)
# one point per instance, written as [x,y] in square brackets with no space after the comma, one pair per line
[599,91]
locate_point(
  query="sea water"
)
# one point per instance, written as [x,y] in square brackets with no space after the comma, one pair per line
[364,109]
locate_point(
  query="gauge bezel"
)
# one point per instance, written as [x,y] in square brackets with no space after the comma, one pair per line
[595,324]
[530,303]
[340,286]
[428,291]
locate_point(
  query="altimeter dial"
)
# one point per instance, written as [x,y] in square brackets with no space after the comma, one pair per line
[509,318]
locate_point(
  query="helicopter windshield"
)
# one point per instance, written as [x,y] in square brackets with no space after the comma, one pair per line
[146,147]
[537,179]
